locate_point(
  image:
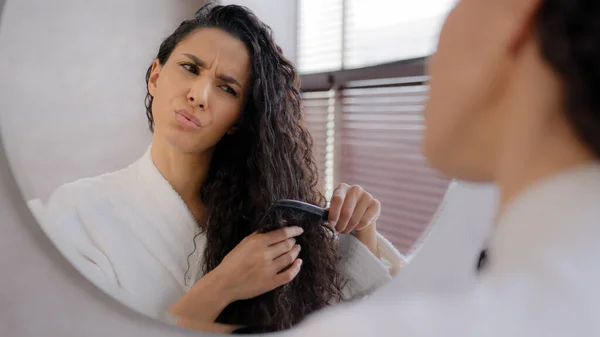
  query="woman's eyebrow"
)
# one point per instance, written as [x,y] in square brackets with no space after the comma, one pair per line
[225,78]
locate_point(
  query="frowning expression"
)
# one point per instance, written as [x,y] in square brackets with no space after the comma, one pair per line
[200,92]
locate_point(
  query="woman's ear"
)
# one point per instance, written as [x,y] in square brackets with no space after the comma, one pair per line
[152,81]
[521,16]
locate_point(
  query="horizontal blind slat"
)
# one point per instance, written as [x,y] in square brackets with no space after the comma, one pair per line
[381,132]
[316,107]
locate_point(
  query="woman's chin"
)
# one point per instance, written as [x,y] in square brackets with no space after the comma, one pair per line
[181,141]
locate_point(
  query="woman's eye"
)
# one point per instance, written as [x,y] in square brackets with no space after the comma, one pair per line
[191,68]
[229,90]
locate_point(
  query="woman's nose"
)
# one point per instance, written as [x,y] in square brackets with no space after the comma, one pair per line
[198,95]
[195,102]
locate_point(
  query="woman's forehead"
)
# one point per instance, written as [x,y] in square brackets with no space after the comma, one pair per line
[214,42]
[211,45]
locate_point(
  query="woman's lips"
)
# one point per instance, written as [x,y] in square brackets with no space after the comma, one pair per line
[187,120]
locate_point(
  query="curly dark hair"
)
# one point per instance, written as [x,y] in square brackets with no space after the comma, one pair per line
[569,34]
[268,158]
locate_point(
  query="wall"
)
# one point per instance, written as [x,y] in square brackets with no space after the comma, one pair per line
[281,16]
[71,98]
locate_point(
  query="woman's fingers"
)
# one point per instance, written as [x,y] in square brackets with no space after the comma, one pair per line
[288,275]
[282,234]
[336,204]
[352,197]
[352,208]
[370,215]
[358,214]
[281,248]
[286,259]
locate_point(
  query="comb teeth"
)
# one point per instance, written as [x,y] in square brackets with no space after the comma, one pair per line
[303,207]
[325,215]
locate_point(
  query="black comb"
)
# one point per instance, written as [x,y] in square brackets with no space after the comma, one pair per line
[302,206]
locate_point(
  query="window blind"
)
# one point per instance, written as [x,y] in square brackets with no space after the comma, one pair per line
[381,130]
[318,115]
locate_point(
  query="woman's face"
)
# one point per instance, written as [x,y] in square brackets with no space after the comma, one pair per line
[200,92]
[471,82]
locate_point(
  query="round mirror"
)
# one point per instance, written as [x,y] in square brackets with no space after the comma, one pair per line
[229,167]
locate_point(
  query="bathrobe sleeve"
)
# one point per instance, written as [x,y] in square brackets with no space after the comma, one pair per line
[363,270]
[63,221]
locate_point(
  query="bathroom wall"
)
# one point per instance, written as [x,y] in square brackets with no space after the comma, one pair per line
[72,89]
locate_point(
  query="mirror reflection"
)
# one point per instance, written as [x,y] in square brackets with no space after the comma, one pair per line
[249,202]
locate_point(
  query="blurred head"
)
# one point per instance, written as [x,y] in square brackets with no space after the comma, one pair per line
[508,71]
[220,84]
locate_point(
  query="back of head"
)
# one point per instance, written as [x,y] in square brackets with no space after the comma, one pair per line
[510,73]
[569,35]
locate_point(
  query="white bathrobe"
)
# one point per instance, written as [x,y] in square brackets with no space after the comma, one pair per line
[541,278]
[130,234]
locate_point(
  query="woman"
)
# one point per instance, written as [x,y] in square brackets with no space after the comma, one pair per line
[181,228]
[514,100]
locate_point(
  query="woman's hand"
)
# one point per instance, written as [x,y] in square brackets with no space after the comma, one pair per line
[353,209]
[254,267]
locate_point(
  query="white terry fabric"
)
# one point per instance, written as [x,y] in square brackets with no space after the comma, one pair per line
[366,272]
[541,277]
[131,234]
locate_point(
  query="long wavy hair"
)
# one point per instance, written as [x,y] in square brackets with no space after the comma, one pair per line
[268,158]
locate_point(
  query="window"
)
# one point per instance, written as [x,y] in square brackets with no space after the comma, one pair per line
[319,35]
[344,34]
[362,66]
[381,131]
[318,118]
[404,30]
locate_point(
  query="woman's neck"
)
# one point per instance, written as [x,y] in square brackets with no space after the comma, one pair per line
[186,172]
[530,157]
[538,141]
